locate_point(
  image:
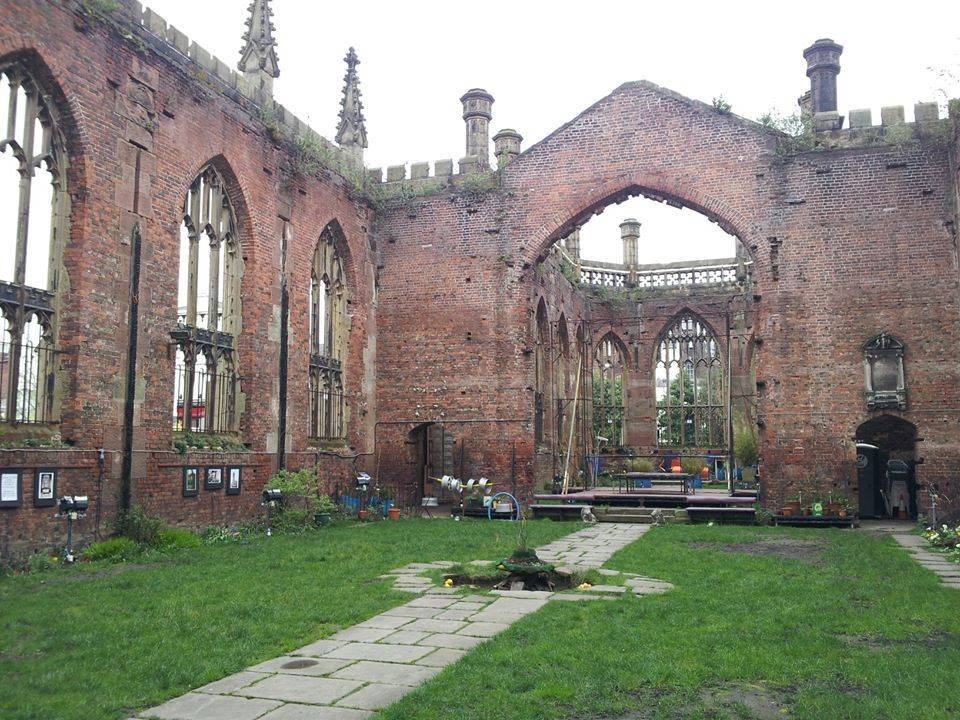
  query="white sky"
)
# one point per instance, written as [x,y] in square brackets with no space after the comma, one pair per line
[545,62]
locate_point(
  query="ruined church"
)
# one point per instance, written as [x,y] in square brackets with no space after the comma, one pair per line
[197,289]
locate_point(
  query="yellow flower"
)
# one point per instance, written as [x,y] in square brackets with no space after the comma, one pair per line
[584,586]
[448,582]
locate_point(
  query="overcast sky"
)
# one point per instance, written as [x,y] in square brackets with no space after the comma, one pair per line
[545,62]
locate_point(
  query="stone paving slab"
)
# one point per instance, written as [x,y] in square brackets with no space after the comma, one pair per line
[317,666]
[388,622]
[406,637]
[432,602]
[362,634]
[441,626]
[300,689]
[441,657]
[384,653]
[447,640]
[388,673]
[232,682]
[196,706]
[375,696]
[372,664]
[483,629]
[315,712]
[413,612]
[320,647]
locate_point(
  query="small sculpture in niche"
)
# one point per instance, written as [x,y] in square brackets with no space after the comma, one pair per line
[883,373]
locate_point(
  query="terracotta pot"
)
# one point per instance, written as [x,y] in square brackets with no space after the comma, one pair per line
[787,511]
[394,513]
[794,505]
[831,509]
[362,514]
[842,512]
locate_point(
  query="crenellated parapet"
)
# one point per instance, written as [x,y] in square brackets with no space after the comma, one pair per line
[158,35]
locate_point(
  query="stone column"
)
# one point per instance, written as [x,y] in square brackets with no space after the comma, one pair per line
[630,234]
[572,245]
[477,112]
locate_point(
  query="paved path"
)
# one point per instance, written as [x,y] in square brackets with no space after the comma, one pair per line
[949,572]
[369,666]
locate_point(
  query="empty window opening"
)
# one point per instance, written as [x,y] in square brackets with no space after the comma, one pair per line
[328,334]
[34,212]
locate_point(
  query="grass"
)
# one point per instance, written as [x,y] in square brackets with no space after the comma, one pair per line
[101,641]
[850,627]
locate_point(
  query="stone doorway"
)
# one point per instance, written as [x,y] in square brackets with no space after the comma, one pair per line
[886,468]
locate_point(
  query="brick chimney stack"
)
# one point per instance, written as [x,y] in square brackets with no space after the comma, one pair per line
[823,66]
[477,112]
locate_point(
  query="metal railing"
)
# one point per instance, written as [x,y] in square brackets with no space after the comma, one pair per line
[204,400]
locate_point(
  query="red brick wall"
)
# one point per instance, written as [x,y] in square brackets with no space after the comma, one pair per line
[865,247]
[443,312]
[187,120]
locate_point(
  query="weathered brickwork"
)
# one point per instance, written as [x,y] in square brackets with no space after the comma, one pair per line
[445,274]
[140,128]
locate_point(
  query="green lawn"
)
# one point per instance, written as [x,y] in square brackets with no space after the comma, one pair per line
[853,628]
[98,642]
[764,623]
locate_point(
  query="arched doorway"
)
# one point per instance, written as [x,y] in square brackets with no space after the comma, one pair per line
[886,468]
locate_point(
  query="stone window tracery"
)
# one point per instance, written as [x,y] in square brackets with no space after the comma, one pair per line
[328,303]
[206,382]
[883,373]
[688,376]
[34,222]
[611,360]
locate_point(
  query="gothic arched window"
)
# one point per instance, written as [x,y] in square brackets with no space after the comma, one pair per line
[609,407]
[34,221]
[688,376]
[328,332]
[208,310]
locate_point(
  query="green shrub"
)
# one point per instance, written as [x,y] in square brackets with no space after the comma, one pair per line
[745,448]
[301,499]
[176,538]
[693,466]
[42,562]
[641,465]
[138,526]
[118,549]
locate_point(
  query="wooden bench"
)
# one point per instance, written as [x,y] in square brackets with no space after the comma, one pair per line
[814,521]
[731,514]
[558,512]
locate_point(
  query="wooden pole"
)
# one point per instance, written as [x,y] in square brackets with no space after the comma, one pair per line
[573,423]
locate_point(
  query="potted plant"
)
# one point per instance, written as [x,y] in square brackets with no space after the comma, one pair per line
[323,506]
[793,506]
[745,449]
[394,512]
